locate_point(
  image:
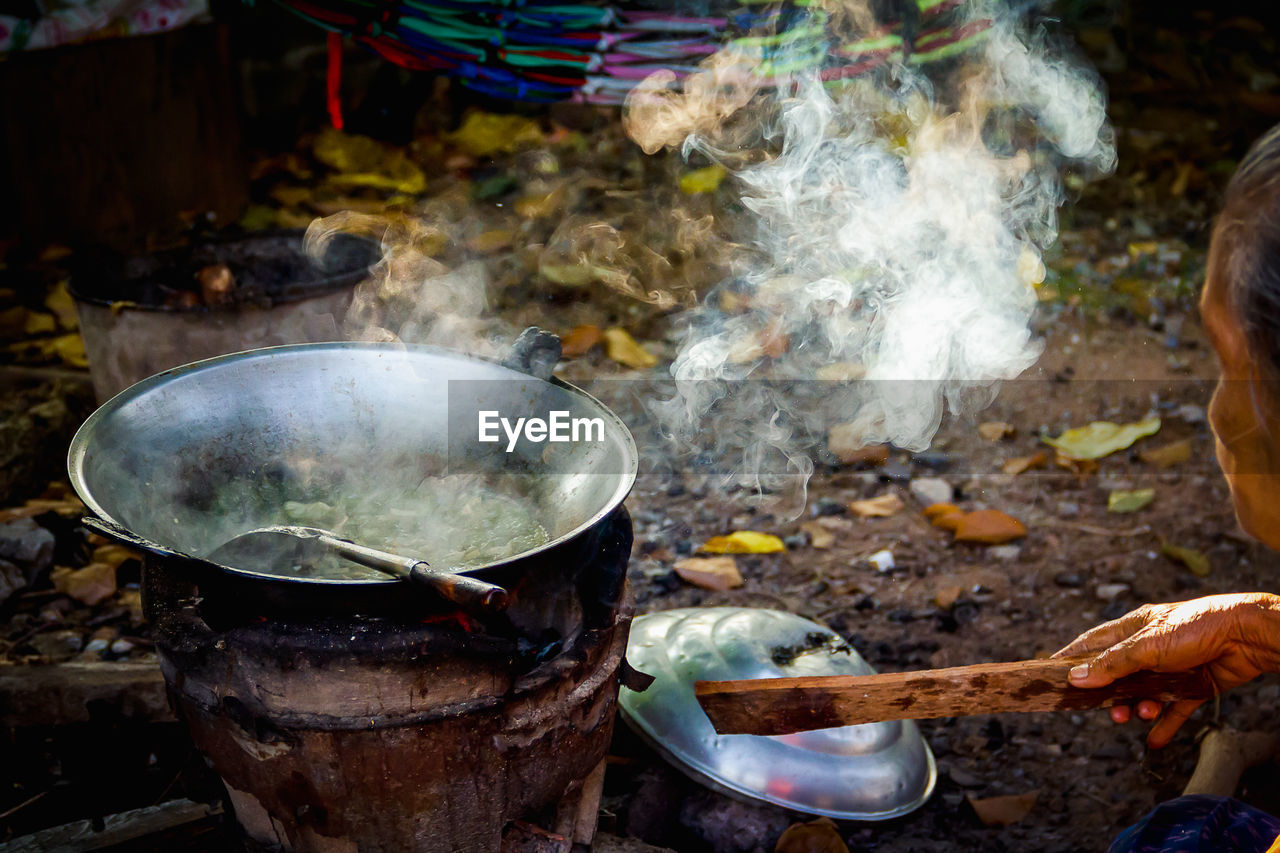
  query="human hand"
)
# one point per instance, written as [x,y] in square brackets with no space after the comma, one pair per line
[1235,638]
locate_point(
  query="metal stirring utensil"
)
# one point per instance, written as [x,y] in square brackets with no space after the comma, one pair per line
[267,548]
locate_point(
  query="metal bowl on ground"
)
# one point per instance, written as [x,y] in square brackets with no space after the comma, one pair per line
[141,315]
[875,771]
[192,457]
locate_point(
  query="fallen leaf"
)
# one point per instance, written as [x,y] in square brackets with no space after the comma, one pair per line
[846,444]
[820,536]
[1019,464]
[989,527]
[996,430]
[1002,811]
[816,836]
[488,242]
[485,134]
[948,596]
[840,371]
[706,180]
[94,583]
[882,506]
[933,511]
[39,323]
[948,520]
[541,206]
[292,196]
[622,348]
[718,573]
[1079,467]
[1167,455]
[580,340]
[744,542]
[1101,438]
[1196,561]
[1129,501]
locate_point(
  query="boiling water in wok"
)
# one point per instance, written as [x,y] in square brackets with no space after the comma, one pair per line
[453,522]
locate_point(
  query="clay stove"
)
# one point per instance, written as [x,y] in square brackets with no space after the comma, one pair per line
[423,731]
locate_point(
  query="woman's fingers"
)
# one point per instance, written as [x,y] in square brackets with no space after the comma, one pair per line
[1175,714]
[1149,709]
[1105,635]
[1125,657]
[1121,713]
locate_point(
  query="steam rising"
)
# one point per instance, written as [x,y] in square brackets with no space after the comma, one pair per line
[899,220]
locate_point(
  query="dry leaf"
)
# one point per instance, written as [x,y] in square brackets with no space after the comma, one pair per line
[882,506]
[622,348]
[1002,811]
[816,836]
[1079,467]
[744,542]
[996,430]
[820,536]
[1101,438]
[489,242]
[1019,464]
[933,511]
[846,445]
[1167,455]
[1121,501]
[1196,561]
[840,371]
[989,527]
[485,134]
[94,583]
[702,180]
[580,340]
[948,596]
[948,520]
[718,573]
[60,302]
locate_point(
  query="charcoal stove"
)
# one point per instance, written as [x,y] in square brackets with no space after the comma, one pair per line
[426,732]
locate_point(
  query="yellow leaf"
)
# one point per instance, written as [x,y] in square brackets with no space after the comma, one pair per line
[744,542]
[996,430]
[882,506]
[1121,501]
[1194,560]
[622,348]
[1101,438]
[485,134]
[568,275]
[718,573]
[489,242]
[1019,464]
[706,180]
[344,152]
[1168,455]
[39,323]
[59,301]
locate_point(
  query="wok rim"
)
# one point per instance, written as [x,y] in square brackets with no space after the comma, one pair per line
[78,449]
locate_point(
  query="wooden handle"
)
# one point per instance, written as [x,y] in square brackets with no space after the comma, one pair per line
[779,706]
[471,594]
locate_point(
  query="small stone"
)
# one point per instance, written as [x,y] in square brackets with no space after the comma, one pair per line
[1110,591]
[121,647]
[882,560]
[825,506]
[796,540]
[1068,509]
[931,490]
[12,579]
[1004,552]
[894,472]
[963,777]
[97,646]
[57,646]
[1069,579]
[27,545]
[933,460]
[1191,413]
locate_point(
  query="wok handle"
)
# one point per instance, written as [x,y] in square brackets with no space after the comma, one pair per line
[468,593]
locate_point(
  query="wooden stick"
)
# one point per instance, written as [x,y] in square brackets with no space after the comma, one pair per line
[776,706]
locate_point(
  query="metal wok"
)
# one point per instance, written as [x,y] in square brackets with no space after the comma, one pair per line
[353,418]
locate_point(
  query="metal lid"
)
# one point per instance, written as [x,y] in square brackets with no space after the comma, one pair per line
[874,771]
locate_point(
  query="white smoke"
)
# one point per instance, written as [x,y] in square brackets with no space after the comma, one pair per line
[899,221]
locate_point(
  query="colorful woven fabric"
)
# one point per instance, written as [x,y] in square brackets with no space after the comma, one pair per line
[543,51]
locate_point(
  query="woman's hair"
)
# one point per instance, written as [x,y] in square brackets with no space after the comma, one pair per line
[1244,254]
